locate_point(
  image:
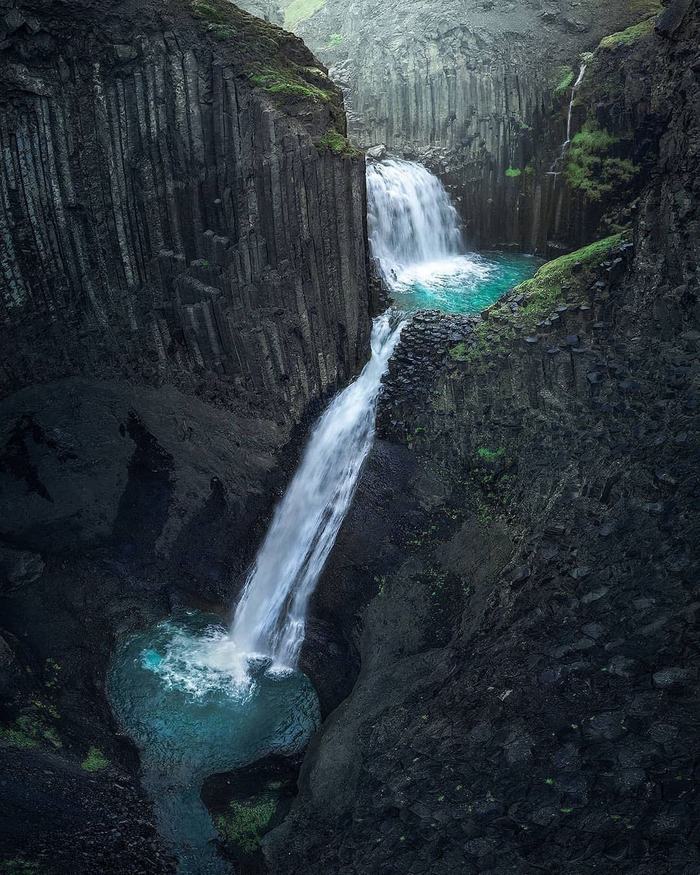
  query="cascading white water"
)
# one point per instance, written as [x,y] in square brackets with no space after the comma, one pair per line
[410,217]
[270,618]
[567,142]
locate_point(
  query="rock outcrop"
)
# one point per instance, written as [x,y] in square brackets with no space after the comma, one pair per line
[528,674]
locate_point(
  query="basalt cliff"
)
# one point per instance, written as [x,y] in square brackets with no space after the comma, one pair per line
[184,278]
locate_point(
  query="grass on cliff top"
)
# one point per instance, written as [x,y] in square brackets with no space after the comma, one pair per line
[300,10]
[542,293]
[274,60]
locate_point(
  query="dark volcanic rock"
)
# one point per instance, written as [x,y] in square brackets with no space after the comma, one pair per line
[164,219]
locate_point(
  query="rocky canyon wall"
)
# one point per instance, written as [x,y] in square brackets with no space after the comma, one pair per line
[528,679]
[168,209]
[480,93]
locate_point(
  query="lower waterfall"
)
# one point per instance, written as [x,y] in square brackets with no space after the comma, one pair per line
[270,617]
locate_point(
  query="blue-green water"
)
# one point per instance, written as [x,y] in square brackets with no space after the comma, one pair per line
[460,283]
[179,692]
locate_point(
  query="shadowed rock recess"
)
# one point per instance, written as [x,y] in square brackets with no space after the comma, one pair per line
[528,672]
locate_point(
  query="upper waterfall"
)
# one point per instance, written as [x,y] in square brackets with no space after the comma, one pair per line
[410,217]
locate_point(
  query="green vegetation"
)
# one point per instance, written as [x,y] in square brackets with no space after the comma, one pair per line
[459,353]
[35,724]
[563,78]
[210,12]
[543,291]
[489,455]
[590,167]
[95,760]
[245,824]
[16,737]
[335,39]
[300,10]
[18,866]
[337,143]
[629,35]
[513,172]
[286,83]
[541,294]
[31,729]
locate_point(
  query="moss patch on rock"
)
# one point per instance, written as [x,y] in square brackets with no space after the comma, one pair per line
[501,326]
[592,168]
[563,79]
[95,760]
[244,824]
[286,83]
[337,143]
[629,35]
[19,866]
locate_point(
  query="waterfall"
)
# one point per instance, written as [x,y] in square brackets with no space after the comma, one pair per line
[565,145]
[410,217]
[270,618]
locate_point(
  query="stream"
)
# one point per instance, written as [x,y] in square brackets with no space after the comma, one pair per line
[199,697]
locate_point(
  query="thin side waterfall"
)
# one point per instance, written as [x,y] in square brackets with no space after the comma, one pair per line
[410,217]
[270,618]
[559,162]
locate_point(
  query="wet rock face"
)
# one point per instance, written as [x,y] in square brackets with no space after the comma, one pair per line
[163,220]
[474,90]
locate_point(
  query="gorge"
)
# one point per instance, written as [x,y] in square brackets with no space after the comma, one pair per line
[348,504]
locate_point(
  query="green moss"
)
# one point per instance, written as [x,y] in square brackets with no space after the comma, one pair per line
[563,79]
[513,172]
[541,294]
[337,143]
[244,825]
[286,83]
[489,455]
[544,290]
[591,169]
[15,737]
[459,353]
[300,10]
[335,39]
[210,12]
[95,760]
[33,727]
[18,866]
[629,35]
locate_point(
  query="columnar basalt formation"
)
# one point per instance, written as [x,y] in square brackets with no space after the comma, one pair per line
[164,217]
[480,92]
